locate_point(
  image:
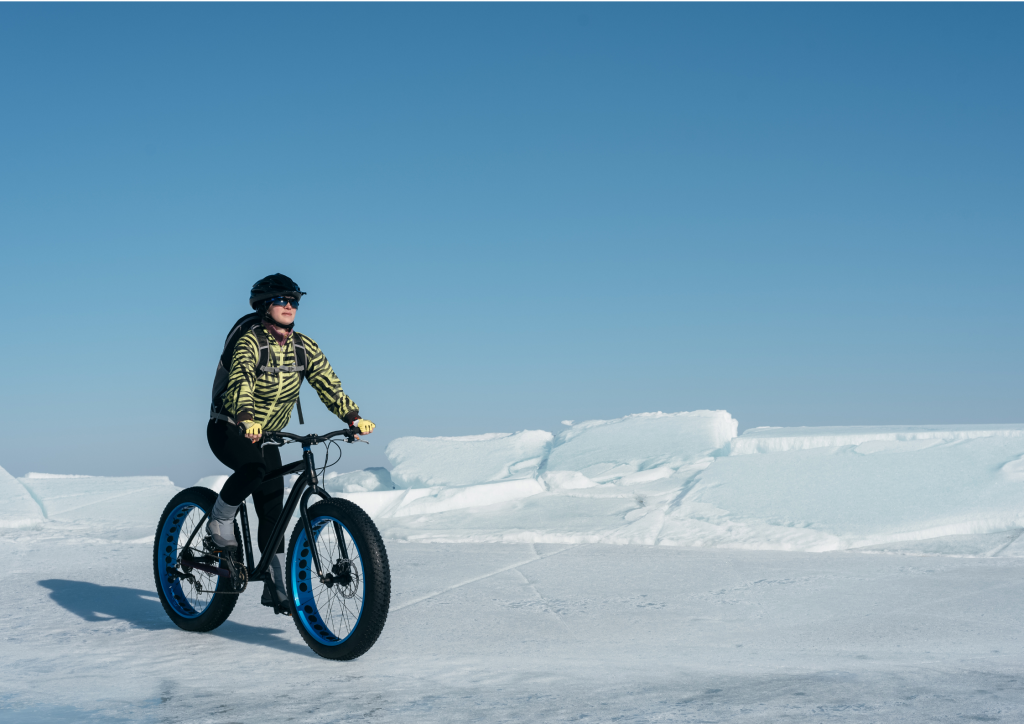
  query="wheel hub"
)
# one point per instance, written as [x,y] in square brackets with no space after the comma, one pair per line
[340,574]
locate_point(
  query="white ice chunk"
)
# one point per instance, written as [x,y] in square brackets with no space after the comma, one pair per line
[125,504]
[17,507]
[441,500]
[359,481]
[213,482]
[784,439]
[458,461]
[567,480]
[849,496]
[609,450]
[43,476]
[427,502]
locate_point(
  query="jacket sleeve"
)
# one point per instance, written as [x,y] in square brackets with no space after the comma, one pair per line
[239,397]
[321,377]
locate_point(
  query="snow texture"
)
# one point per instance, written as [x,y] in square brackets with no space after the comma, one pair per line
[744,603]
[529,633]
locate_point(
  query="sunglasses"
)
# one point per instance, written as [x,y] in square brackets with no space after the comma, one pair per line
[285,301]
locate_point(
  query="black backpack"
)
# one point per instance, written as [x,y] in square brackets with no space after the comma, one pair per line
[220,381]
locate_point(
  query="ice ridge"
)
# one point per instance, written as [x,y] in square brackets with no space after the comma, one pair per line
[671,479]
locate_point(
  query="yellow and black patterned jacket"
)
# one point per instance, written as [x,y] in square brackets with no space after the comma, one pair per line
[269,397]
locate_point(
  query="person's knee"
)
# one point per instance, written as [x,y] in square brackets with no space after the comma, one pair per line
[244,481]
[253,472]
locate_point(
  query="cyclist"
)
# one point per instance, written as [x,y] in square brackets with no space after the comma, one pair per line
[257,401]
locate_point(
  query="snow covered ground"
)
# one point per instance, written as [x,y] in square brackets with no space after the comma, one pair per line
[652,568]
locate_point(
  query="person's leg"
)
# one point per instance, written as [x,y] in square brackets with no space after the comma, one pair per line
[216,436]
[268,500]
[250,463]
[232,448]
[249,470]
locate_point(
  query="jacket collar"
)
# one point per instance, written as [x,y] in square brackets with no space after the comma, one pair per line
[280,335]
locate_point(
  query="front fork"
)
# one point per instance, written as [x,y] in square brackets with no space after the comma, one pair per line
[314,487]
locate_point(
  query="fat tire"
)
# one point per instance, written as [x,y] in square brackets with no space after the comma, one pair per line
[221,604]
[376,579]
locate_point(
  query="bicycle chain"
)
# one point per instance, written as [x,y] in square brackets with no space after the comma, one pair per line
[241,569]
[244,575]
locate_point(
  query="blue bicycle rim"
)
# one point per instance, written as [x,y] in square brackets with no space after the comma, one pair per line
[171,585]
[312,605]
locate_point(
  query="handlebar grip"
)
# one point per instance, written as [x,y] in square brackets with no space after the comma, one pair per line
[349,433]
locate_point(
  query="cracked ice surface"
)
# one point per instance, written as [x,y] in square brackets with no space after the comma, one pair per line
[524,632]
[750,599]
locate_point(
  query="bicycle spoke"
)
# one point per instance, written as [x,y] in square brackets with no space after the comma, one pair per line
[190,595]
[337,605]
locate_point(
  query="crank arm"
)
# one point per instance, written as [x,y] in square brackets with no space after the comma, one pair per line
[211,569]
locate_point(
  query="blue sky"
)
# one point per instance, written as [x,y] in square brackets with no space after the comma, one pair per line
[509,215]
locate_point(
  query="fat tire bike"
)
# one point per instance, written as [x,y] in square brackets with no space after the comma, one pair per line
[338,577]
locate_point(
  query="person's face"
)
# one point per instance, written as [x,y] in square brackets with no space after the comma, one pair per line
[283,315]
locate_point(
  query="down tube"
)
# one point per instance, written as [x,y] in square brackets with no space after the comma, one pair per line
[281,526]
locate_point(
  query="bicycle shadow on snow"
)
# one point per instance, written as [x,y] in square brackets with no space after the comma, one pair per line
[93,602]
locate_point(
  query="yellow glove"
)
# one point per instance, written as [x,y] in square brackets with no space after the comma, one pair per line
[365,426]
[253,428]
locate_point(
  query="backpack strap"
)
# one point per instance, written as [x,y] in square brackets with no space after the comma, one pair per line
[301,356]
[262,367]
[300,359]
[264,350]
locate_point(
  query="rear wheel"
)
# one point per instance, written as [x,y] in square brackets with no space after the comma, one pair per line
[195,600]
[341,614]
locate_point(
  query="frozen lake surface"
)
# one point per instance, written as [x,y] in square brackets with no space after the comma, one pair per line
[498,632]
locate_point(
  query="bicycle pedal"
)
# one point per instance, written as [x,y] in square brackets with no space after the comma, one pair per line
[213,548]
[239,573]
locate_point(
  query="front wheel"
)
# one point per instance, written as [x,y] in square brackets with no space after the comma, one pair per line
[341,613]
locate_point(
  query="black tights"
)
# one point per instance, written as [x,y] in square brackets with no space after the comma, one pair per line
[250,462]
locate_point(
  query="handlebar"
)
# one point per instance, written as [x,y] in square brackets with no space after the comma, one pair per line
[283,438]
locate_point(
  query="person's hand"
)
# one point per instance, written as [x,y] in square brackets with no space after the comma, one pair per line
[253,430]
[365,427]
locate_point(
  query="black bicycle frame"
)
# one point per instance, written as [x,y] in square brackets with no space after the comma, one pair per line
[305,486]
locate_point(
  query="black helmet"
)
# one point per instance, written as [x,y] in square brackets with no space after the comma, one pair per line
[276,285]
